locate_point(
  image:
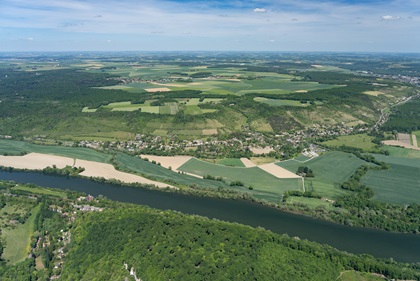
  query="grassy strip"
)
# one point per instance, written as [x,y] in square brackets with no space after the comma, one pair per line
[42,191]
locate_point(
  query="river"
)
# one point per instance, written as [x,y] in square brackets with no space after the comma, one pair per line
[401,247]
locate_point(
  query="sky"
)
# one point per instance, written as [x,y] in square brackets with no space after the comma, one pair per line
[212,25]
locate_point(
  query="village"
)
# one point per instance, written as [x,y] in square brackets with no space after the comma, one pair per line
[244,144]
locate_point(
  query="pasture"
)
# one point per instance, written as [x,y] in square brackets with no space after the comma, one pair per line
[18,239]
[400,184]
[362,141]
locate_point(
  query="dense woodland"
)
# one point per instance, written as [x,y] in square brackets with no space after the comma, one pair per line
[166,245]
[404,118]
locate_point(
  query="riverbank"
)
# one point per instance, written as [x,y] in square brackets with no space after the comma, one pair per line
[399,246]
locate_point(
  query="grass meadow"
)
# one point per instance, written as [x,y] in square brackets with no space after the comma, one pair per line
[18,239]
[362,141]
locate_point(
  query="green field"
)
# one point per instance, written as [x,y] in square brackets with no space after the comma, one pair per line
[18,239]
[402,152]
[191,107]
[234,162]
[137,165]
[41,191]
[400,184]
[16,147]
[417,134]
[266,186]
[362,141]
[227,84]
[330,170]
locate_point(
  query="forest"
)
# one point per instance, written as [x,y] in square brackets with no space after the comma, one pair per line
[404,118]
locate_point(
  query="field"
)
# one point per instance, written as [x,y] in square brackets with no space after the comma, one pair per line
[264,185]
[18,239]
[330,170]
[189,106]
[400,184]
[362,141]
[417,134]
[234,162]
[274,102]
[46,191]
[16,147]
[223,81]
[402,152]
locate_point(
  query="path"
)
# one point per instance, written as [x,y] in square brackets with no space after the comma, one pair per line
[414,137]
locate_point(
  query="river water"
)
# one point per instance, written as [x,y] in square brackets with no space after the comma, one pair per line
[401,247]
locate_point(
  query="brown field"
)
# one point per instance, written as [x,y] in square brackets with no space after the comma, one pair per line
[209,132]
[168,161]
[405,138]
[373,93]
[35,161]
[278,172]
[414,138]
[38,161]
[154,90]
[248,163]
[399,143]
[261,150]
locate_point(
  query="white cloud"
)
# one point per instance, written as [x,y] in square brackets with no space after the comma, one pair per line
[29,38]
[260,10]
[390,17]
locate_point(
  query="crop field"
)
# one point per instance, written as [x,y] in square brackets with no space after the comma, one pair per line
[417,134]
[400,184]
[16,147]
[330,170]
[191,106]
[402,152]
[18,239]
[143,167]
[234,162]
[362,141]
[224,81]
[261,181]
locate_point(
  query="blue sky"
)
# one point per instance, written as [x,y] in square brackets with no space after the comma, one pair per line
[250,25]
